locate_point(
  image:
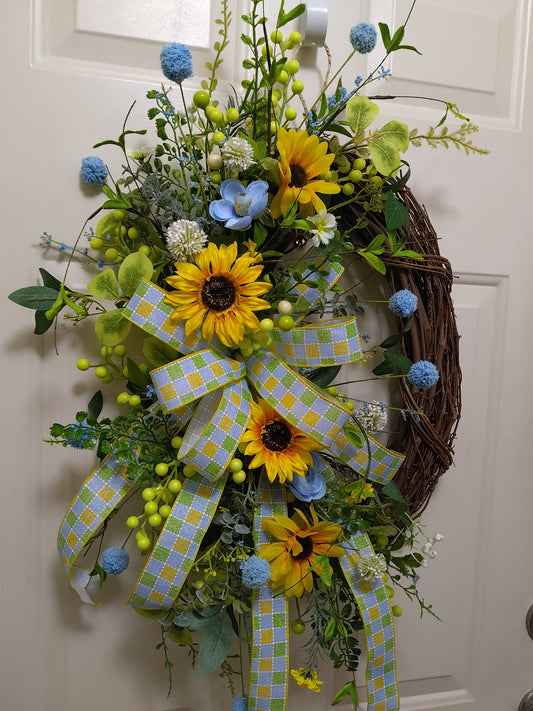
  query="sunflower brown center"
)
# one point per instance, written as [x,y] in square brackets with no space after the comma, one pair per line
[276,436]
[298,176]
[307,547]
[218,293]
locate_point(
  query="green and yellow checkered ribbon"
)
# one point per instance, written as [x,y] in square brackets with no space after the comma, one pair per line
[209,372]
[269,665]
[375,609]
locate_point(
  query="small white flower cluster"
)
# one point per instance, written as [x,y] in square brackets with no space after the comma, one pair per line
[185,238]
[238,154]
[372,566]
[372,416]
[427,548]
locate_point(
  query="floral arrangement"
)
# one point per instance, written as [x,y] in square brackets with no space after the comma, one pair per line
[241,465]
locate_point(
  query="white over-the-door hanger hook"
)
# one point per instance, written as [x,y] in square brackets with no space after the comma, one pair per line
[314,22]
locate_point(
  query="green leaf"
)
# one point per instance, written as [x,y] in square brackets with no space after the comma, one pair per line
[111,327]
[396,214]
[396,133]
[385,156]
[260,232]
[323,376]
[136,375]
[104,285]
[385,35]
[49,280]
[393,492]
[399,184]
[94,408]
[360,112]
[158,352]
[325,570]
[286,17]
[373,260]
[215,644]
[117,204]
[350,689]
[132,271]
[375,244]
[330,630]
[40,298]
[396,40]
[395,338]
[392,361]
[42,324]
[354,435]
[409,253]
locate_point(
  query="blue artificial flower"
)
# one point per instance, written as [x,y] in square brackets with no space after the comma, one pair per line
[255,572]
[81,433]
[403,303]
[93,170]
[363,37]
[310,487]
[115,561]
[423,374]
[176,62]
[240,703]
[239,205]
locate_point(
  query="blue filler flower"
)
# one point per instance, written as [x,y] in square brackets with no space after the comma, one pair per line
[176,62]
[93,170]
[310,487]
[240,703]
[239,205]
[363,37]
[255,572]
[423,374]
[403,303]
[115,561]
[80,434]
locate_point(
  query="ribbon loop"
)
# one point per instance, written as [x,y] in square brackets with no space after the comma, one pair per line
[332,342]
[213,434]
[194,376]
[296,399]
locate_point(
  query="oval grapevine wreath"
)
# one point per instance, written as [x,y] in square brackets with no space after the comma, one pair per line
[255,469]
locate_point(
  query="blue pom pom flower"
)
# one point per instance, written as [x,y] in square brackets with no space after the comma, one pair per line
[363,37]
[115,561]
[403,303]
[255,572]
[93,170]
[423,374]
[176,62]
[240,703]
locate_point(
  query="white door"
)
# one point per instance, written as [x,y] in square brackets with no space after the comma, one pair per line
[70,72]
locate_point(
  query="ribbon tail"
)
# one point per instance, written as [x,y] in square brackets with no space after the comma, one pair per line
[374,606]
[269,665]
[173,554]
[101,492]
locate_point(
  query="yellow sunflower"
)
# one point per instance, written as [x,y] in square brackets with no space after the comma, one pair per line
[302,159]
[219,293]
[277,444]
[294,554]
